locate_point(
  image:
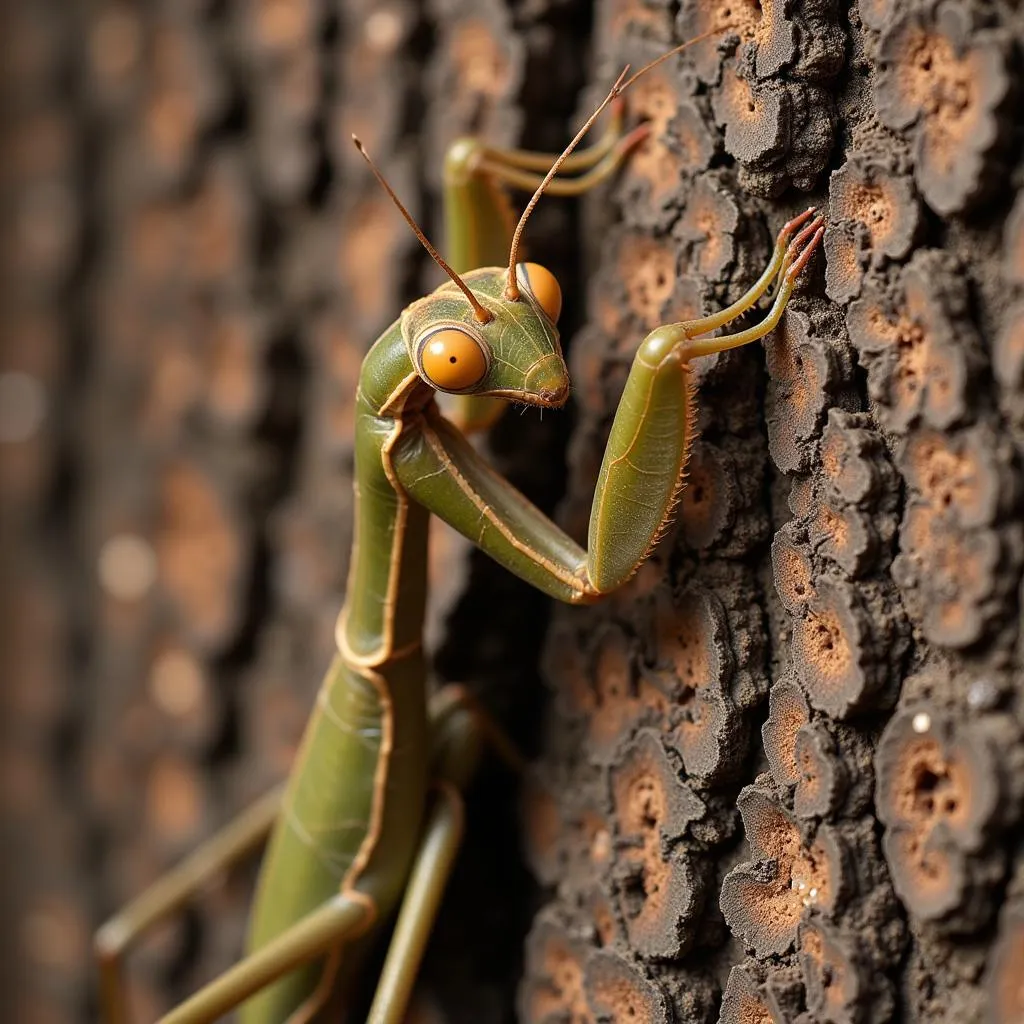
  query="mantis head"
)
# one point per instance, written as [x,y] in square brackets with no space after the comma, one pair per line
[478,340]
[515,354]
[498,338]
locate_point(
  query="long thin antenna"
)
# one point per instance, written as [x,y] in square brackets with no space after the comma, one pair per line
[671,53]
[480,314]
[621,84]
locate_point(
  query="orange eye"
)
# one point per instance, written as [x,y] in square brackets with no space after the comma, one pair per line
[453,360]
[543,287]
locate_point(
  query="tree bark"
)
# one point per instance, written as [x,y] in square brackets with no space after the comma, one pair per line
[779,776]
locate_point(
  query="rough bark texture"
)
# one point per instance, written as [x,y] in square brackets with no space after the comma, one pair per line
[779,777]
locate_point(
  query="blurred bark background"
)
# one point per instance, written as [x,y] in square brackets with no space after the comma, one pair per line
[780,776]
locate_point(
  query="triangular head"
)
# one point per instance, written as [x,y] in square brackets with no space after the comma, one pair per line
[515,354]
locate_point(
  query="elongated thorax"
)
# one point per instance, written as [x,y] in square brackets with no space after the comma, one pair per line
[353,810]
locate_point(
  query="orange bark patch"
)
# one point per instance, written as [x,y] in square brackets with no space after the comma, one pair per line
[787,714]
[544,826]
[200,552]
[792,572]
[739,100]
[953,474]
[818,787]
[482,65]
[655,99]
[824,645]
[684,642]
[883,204]
[603,916]
[175,383]
[927,877]
[340,359]
[843,271]
[639,795]
[618,992]
[924,785]
[282,25]
[710,219]
[648,271]
[709,498]
[936,74]
[557,989]
[615,706]
[936,792]
[174,800]
[801,371]
[946,574]
[765,908]
[172,111]
[651,806]
[1008,351]
[217,227]
[937,82]
[698,16]
[873,206]
[366,253]
[831,978]
[688,638]
[842,535]
[917,374]
[625,16]
[235,381]
[155,240]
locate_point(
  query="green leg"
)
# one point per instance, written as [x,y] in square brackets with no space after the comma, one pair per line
[790,270]
[460,726]
[113,940]
[430,873]
[784,254]
[340,918]
[500,165]
[581,160]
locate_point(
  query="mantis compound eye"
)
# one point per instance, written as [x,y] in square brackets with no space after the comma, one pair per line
[543,287]
[452,359]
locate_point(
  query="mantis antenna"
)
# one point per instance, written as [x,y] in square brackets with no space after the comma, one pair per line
[480,314]
[621,85]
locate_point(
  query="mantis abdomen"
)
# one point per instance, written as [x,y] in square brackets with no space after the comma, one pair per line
[352,815]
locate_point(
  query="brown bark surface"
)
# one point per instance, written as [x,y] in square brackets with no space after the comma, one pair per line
[779,776]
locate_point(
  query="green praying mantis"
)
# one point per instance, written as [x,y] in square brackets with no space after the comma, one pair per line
[366,830]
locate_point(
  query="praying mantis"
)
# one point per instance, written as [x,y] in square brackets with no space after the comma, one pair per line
[371,818]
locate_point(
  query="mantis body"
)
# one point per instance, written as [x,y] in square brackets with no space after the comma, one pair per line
[371,817]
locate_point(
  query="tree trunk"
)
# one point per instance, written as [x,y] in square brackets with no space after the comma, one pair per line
[779,776]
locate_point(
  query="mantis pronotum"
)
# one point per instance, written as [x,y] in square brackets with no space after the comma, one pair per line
[371,817]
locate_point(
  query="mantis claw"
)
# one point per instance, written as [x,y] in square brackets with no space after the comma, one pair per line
[786,232]
[818,226]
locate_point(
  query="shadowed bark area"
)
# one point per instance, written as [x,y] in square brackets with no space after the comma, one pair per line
[779,776]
